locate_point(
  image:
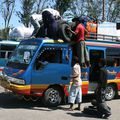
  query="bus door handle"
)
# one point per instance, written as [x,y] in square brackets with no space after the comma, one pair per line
[64,78]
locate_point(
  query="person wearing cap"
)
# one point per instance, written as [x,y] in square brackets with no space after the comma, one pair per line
[79,46]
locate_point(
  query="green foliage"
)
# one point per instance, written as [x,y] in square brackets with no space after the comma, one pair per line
[62,5]
[78,7]
[42,4]
[112,10]
[26,11]
[93,8]
[4,33]
[7,9]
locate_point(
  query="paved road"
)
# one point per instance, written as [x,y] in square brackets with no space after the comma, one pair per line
[12,108]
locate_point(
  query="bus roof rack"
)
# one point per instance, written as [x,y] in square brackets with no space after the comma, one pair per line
[101,37]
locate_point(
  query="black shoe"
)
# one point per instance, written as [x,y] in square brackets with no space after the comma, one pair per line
[100,115]
[106,116]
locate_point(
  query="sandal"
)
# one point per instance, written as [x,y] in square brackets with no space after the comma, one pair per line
[70,109]
[78,109]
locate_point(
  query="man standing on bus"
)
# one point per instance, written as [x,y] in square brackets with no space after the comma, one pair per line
[79,47]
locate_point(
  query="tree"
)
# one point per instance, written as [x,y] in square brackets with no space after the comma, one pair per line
[112,10]
[94,8]
[7,8]
[26,11]
[91,8]
[42,4]
[62,5]
[78,7]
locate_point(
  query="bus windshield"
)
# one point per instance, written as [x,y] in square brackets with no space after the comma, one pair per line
[22,56]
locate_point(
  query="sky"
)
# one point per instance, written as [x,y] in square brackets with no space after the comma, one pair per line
[14,20]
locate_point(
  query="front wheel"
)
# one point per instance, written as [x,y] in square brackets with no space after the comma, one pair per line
[110,92]
[52,97]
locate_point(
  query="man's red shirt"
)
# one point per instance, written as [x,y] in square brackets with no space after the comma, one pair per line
[80,31]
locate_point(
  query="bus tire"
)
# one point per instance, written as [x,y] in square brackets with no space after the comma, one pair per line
[73,25]
[26,98]
[110,92]
[52,97]
[60,22]
[63,32]
[65,35]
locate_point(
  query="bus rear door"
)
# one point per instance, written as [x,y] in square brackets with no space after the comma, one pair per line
[95,54]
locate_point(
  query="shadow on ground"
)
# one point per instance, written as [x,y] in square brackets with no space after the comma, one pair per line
[81,114]
[9,101]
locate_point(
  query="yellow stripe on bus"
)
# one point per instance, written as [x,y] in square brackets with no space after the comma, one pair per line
[20,87]
[36,86]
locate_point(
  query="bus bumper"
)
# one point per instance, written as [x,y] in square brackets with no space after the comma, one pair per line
[19,89]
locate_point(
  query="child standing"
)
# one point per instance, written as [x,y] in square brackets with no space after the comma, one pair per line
[75,85]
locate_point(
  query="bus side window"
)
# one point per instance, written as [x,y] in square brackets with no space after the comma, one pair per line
[113,62]
[50,55]
[9,53]
[116,62]
[113,57]
[95,55]
[2,54]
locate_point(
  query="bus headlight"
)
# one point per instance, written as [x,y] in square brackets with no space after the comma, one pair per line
[3,73]
[15,80]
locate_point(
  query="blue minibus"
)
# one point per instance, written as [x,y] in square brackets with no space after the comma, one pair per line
[39,68]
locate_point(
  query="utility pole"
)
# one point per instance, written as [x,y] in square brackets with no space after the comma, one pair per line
[103,15]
